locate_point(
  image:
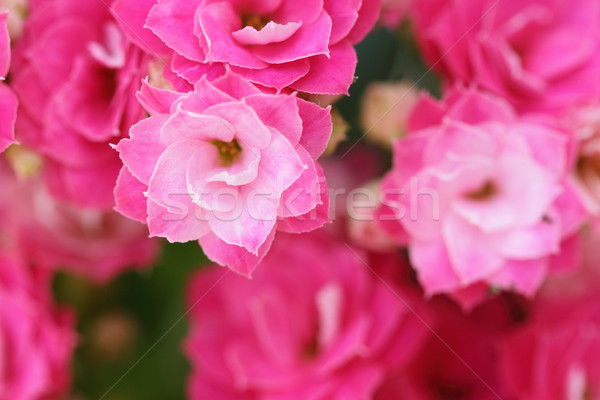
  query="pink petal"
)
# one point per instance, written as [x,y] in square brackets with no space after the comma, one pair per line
[309,40]
[540,240]
[522,276]
[344,14]
[184,125]
[434,270]
[293,11]
[332,75]
[235,86]
[131,16]
[177,219]
[173,22]
[249,129]
[141,152]
[305,193]
[278,76]
[8,116]
[469,253]
[315,218]
[205,94]
[250,222]
[169,178]
[317,127]
[129,196]
[218,21]
[4,46]
[234,257]
[367,16]
[271,33]
[279,112]
[280,165]
[155,100]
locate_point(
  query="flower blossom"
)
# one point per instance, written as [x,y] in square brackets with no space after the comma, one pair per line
[226,165]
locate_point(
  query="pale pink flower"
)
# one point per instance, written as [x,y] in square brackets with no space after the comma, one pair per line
[539,54]
[8,102]
[305,46]
[480,196]
[76,76]
[36,339]
[314,323]
[226,165]
[50,234]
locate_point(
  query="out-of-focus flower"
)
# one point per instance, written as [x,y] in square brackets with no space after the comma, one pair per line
[314,323]
[481,196]
[386,108]
[554,356]
[226,165]
[538,54]
[393,12]
[53,235]
[76,75]
[8,102]
[36,339]
[278,44]
[458,360]
[17,12]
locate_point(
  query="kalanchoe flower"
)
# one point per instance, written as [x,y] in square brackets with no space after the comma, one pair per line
[222,165]
[538,54]
[8,102]
[480,196]
[314,323]
[37,340]
[458,359]
[95,244]
[76,76]
[306,46]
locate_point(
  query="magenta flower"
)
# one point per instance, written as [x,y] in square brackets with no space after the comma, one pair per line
[76,76]
[226,165]
[555,355]
[276,43]
[313,323]
[36,339]
[542,55]
[50,234]
[480,196]
[8,102]
[459,361]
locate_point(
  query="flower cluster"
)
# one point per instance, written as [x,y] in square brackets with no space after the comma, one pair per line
[452,254]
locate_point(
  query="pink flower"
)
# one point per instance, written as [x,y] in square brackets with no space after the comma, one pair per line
[554,356]
[76,76]
[51,234]
[8,102]
[539,54]
[36,339]
[222,165]
[458,359]
[480,196]
[314,323]
[276,43]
